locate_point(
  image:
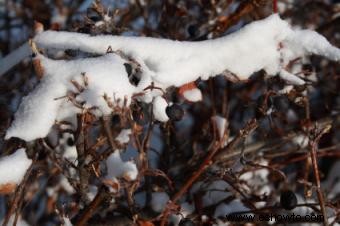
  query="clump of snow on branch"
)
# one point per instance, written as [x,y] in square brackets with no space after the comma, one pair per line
[116,168]
[269,44]
[159,109]
[193,95]
[39,110]
[124,136]
[13,167]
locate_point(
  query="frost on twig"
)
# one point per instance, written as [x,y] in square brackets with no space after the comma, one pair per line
[268,45]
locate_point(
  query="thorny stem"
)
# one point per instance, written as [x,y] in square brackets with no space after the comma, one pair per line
[208,161]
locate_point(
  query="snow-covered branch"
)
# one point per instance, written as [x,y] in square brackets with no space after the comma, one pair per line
[268,45]
[12,170]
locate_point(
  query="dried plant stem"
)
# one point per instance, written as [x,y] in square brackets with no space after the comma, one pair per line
[313,152]
[81,151]
[108,132]
[318,185]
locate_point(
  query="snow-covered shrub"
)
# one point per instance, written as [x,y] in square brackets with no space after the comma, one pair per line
[203,120]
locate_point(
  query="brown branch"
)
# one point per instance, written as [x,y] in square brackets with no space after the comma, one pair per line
[275,9]
[89,211]
[313,153]
[208,161]
[245,8]
[108,133]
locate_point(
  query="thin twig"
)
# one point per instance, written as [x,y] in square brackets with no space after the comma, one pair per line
[88,212]
[208,161]
[313,152]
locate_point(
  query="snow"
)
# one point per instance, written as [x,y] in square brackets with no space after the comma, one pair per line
[176,63]
[116,167]
[193,95]
[301,140]
[159,201]
[67,151]
[38,110]
[159,106]
[124,136]
[221,124]
[290,78]
[92,192]
[267,44]
[65,184]
[308,42]
[13,167]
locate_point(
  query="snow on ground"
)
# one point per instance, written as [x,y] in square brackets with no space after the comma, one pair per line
[67,148]
[221,124]
[38,110]
[163,63]
[257,179]
[13,167]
